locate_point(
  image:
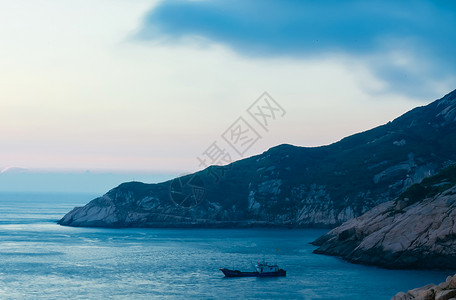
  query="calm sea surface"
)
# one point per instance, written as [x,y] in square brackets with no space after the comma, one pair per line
[42,260]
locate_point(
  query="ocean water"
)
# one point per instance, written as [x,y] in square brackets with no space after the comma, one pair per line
[42,260]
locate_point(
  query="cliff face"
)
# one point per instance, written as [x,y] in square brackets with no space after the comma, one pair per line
[417,230]
[288,185]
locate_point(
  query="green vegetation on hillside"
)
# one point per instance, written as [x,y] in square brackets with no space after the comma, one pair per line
[431,186]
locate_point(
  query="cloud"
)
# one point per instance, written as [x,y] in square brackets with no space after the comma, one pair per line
[408,44]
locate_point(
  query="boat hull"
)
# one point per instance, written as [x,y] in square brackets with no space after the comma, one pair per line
[237,273]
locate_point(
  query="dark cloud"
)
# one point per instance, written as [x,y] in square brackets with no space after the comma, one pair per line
[422,31]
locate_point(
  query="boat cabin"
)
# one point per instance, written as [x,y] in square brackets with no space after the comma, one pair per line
[263,267]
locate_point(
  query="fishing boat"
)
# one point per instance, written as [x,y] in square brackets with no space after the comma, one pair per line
[262,269]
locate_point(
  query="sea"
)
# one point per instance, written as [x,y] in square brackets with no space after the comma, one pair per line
[40,259]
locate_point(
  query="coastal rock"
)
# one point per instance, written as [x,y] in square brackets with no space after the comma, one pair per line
[429,292]
[417,230]
[288,185]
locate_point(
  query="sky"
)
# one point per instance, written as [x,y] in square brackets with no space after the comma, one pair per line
[148,86]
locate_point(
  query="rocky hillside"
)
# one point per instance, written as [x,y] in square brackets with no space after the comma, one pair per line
[444,291]
[289,185]
[417,230]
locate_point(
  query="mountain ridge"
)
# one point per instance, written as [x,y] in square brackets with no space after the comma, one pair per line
[289,185]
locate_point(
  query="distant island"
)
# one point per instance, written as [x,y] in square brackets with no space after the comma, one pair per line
[290,186]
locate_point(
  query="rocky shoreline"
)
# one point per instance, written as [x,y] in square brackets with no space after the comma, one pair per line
[417,230]
[443,291]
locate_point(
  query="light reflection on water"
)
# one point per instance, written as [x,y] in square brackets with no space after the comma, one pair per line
[42,260]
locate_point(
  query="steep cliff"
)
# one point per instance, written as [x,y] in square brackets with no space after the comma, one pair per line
[289,185]
[417,230]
